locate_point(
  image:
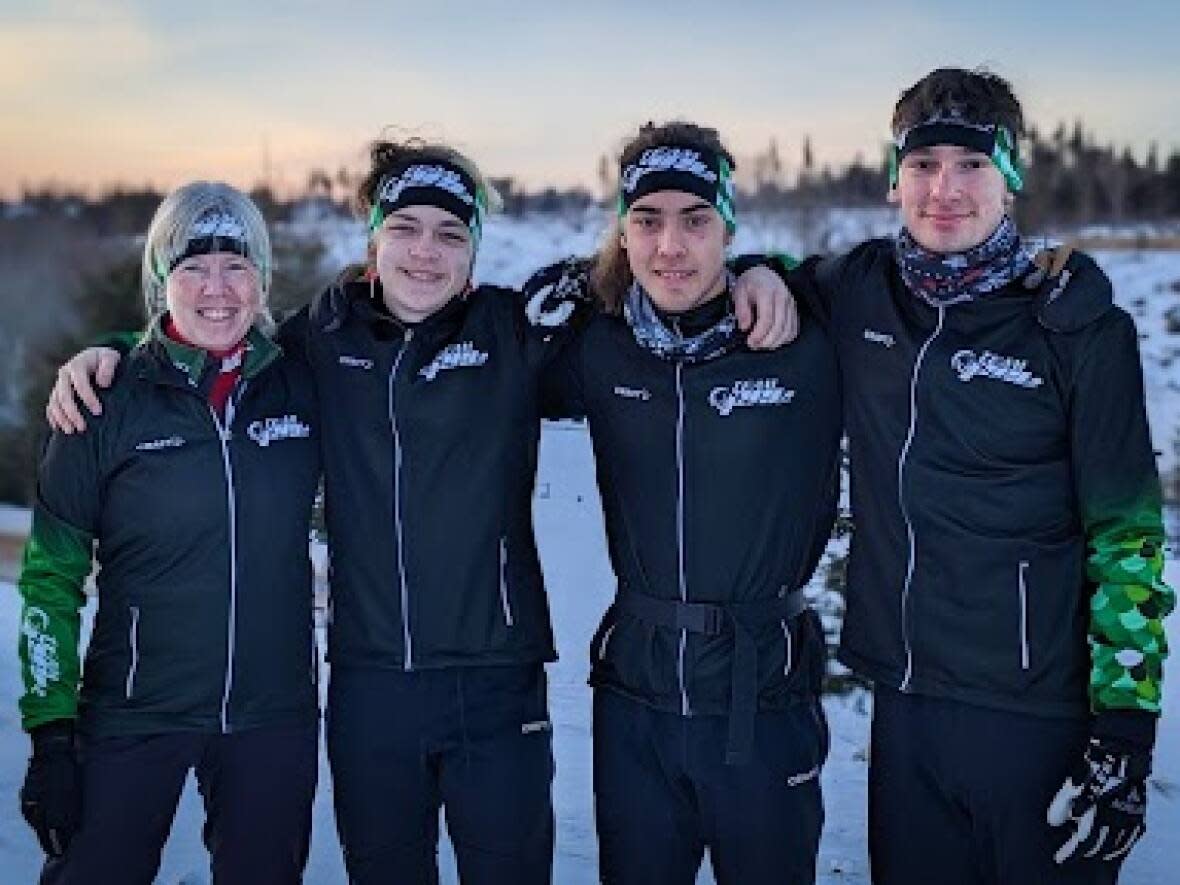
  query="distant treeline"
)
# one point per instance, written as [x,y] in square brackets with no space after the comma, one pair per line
[1072,179]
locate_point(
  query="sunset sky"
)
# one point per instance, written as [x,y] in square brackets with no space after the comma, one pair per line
[93,93]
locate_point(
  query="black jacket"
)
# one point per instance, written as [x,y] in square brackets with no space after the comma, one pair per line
[204,618]
[430,436]
[989,442]
[718,483]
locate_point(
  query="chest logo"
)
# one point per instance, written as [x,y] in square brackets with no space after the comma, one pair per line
[968,364]
[640,393]
[268,430]
[355,362]
[454,356]
[749,392]
[155,445]
[878,337]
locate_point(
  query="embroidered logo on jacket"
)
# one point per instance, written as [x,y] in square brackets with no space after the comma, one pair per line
[640,393]
[268,430]
[154,445]
[44,667]
[878,337]
[355,362]
[967,365]
[453,356]
[749,392]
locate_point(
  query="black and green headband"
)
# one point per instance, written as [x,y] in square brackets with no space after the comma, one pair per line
[431,183]
[671,167]
[992,139]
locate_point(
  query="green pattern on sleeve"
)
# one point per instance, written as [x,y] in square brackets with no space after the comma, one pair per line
[1127,641]
[57,560]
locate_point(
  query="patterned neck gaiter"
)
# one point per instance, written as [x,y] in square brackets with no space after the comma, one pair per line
[956,277]
[666,341]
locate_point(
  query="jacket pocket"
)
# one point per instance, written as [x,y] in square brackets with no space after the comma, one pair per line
[1022,591]
[133,652]
[505,604]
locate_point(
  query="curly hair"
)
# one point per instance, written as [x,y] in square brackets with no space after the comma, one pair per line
[386,155]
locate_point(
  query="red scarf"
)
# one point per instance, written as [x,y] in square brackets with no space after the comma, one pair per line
[231,367]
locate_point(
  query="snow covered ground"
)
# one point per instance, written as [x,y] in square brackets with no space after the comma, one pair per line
[573,552]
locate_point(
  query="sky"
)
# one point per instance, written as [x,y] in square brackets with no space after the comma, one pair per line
[98,93]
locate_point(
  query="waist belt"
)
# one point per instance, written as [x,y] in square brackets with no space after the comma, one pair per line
[712,619]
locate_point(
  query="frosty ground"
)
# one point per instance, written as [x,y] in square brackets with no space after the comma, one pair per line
[569,530]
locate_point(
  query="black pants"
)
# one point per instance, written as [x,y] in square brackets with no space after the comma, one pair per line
[958,795]
[257,785]
[663,794]
[474,740]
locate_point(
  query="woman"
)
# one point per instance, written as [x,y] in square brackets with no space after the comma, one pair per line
[439,620]
[194,488]
[717,467]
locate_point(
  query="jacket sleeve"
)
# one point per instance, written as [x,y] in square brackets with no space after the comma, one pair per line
[552,305]
[1118,494]
[57,560]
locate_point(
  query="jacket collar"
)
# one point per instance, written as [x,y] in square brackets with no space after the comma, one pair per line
[359,299]
[175,363]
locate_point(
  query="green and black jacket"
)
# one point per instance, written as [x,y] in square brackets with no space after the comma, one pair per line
[1008,543]
[200,529]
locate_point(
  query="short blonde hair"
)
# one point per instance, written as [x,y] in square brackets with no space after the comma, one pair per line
[173,226]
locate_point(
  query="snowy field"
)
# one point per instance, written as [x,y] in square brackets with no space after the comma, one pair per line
[574,558]
[573,551]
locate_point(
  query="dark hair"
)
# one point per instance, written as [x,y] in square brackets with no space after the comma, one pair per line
[611,275]
[385,156]
[979,96]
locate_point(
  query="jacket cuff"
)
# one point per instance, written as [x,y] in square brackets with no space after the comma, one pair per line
[1134,729]
[53,737]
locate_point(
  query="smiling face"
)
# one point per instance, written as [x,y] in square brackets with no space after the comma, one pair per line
[213,299]
[675,244]
[952,198]
[423,257]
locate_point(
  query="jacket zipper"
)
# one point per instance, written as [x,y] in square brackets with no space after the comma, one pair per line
[1023,585]
[397,505]
[224,434]
[685,710]
[504,582]
[133,642]
[909,526]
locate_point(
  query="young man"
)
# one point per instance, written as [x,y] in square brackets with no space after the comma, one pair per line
[718,470]
[1005,590]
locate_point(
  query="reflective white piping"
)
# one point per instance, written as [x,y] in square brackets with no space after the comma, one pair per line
[504,582]
[133,642]
[909,526]
[224,435]
[683,578]
[1023,584]
[397,506]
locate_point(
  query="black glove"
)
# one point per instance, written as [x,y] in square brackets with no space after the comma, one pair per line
[51,798]
[555,291]
[1103,802]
